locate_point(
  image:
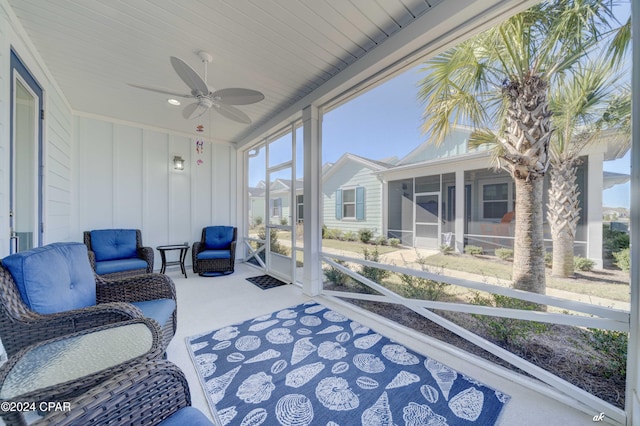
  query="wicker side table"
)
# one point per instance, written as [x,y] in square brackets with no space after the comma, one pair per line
[65,367]
[183,255]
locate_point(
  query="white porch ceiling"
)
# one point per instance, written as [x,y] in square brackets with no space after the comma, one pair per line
[283,48]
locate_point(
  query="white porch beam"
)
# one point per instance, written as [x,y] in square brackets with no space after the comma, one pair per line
[632,399]
[312,206]
[460,211]
[594,207]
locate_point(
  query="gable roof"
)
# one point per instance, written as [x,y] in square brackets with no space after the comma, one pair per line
[346,158]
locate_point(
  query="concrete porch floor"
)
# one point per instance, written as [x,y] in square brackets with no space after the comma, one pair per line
[206,304]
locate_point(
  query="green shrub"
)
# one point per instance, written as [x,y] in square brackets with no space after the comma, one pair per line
[381,241]
[582,263]
[446,249]
[350,236]
[324,231]
[614,240]
[473,250]
[374,274]
[333,234]
[623,260]
[276,247]
[548,259]
[257,221]
[614,345]
[365,235]
[422,288]
[394,242]
[334,275]
[508,331]
[504,253]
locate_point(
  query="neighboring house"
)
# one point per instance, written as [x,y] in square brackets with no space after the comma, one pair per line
[279,211]
[352,194]
[424,188]
[414,199]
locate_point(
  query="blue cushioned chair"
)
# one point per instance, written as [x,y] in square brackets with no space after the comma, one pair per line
[116,253]
[215,253]
[52,291]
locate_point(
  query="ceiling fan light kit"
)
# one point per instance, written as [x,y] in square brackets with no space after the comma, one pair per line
[205,99]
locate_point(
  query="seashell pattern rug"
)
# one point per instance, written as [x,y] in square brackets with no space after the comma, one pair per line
[310,365]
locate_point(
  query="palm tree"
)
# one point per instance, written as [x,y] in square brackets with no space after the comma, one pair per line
[500,80]
[580,104]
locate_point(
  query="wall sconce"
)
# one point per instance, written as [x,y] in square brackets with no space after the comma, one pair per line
[178,163]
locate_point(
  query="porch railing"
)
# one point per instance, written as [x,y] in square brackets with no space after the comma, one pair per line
[592,316]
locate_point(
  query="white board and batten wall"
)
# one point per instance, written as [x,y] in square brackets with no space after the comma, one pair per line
[127,180]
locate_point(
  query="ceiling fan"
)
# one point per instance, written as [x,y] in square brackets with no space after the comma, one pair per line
[220,100]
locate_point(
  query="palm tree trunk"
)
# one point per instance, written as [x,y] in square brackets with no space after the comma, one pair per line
[528,256]
[563,216]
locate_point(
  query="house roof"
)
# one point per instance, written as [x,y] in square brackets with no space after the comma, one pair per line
[611,179]
[346,158]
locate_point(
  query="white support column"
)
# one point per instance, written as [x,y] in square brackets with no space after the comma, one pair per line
[460,211]
[312,271]
[632,400]
[594,207]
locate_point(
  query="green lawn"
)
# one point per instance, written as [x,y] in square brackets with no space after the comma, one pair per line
[491,268]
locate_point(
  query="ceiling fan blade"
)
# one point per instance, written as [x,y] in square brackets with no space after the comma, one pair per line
[189,76]
[232,113]
[194,110]
[163,91]
[237,96]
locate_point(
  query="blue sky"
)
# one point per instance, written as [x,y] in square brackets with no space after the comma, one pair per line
[385,122]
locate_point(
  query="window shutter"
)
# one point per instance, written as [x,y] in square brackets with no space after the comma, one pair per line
[360,203]
[339,204]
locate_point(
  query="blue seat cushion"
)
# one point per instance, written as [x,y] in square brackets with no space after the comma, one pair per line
[218,237]
[187,416]
[119,265]
[159,309]
[53,278]
[214,254]
[111,244]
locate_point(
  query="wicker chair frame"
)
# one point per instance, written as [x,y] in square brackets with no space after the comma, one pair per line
[223,266]
[145,395]
[144,253]
[21,327]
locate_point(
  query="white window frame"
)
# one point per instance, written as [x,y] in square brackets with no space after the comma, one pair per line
[351,203]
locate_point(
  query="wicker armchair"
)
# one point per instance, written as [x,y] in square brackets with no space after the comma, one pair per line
[21,326]
[215,253]
[112,265]
[151,393]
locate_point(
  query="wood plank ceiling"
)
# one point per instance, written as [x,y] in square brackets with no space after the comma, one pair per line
[283,48]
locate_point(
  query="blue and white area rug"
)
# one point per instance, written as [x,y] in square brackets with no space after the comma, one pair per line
[309,365]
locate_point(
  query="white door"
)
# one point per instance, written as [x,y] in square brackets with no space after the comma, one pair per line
[25,200]
[280,203]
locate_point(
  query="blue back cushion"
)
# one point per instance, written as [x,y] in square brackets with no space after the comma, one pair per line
[53,278]
[218,237]
[111,244]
